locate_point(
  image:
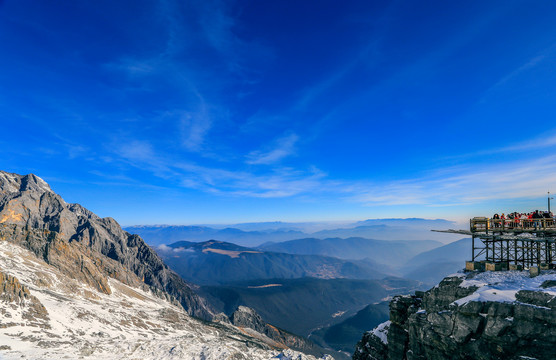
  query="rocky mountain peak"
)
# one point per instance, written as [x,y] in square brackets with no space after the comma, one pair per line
[246,317]
[90,248]
[13,183]
[32,182]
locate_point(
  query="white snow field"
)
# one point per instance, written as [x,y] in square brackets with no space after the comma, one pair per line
[82,323]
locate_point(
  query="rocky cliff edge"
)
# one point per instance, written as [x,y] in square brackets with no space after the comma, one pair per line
[488,315]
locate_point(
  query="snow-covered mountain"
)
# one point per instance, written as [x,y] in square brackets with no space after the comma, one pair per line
[74,285]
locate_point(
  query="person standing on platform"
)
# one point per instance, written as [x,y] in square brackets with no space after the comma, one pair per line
[496,220]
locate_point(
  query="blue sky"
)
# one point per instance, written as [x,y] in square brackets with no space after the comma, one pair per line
[210,111]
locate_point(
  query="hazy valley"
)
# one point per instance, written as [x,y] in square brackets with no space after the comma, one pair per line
[324,288]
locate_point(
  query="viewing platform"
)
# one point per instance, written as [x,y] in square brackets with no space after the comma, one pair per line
[511,244]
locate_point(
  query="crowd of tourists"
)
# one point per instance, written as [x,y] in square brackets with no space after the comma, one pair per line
[533,219]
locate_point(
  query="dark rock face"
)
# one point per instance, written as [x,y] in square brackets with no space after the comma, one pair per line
[80,243]
[548,284]
[434,327]
[245,317]
[371,347]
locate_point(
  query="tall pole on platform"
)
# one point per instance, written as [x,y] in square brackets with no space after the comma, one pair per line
[549,201]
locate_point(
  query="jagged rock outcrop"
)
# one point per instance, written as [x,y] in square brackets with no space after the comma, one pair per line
[246,317]
[16,295]
[88,247]
[493,315]
[12,291]
[373,344]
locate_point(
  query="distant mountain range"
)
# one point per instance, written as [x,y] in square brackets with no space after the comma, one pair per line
[216,262]
[388,252]
[392,229]
[254,234]
[407,222]
[158,235]
[432,266]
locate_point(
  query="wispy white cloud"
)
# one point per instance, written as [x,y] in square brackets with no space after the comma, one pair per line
[544,142]
[193,125]
[280,182]
[529,65]
[447,186]
[283,147]
[167,249]
[133,66]
[194,128]
[176,64]
[218,27]
[465,185]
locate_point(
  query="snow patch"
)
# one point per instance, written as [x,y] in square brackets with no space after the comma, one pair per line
[11,182]
[43,185]
[502,286]
[338,313]
[381,331]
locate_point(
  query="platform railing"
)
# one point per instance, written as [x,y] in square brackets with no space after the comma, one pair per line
[483,224]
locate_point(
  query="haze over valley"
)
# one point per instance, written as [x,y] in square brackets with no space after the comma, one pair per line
[307,285]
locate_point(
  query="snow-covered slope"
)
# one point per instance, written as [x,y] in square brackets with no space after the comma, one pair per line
[45,314]
[503,286]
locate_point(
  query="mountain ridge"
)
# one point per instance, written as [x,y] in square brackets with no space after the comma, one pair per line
[433,265]
[255,234]
[217,262]
[391,252]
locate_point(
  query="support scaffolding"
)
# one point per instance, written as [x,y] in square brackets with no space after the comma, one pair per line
[520,242]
